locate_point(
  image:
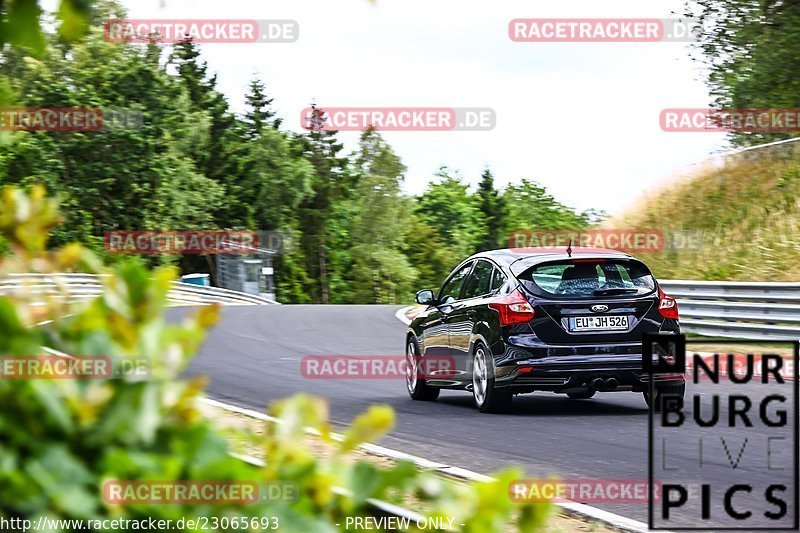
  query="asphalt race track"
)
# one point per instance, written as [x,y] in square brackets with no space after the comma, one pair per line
[253,357]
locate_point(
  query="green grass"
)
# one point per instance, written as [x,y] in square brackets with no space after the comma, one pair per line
[726,345]
[743,215]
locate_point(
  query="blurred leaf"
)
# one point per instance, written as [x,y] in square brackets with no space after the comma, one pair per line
[365,479]
[367,427]
[52,404]
[26,219]
[65,479]
[22,25]
[74,16]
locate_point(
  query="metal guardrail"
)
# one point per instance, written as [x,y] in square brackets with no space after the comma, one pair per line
[77,287]
[747,310]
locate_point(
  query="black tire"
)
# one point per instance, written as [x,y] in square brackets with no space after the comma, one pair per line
[663,392]
[417,387]
[487,398]
[580,395]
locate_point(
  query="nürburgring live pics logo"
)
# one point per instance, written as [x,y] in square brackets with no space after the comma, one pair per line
[726,454]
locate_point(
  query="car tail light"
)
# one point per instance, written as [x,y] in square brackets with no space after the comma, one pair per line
[667,305]
[513,309]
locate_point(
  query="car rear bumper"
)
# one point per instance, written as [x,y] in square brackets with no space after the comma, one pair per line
[616,372]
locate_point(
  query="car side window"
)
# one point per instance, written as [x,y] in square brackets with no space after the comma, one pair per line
[452,289]
[479,281]
[498,279]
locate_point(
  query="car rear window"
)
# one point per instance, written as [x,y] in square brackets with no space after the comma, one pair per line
[589,278]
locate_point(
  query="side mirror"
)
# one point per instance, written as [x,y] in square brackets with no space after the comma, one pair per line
[425,297]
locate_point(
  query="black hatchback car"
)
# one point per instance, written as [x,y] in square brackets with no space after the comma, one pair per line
[518,321]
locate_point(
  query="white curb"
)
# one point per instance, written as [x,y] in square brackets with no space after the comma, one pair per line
[401,315]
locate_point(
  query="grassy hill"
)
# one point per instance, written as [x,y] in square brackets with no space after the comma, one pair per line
[735,220]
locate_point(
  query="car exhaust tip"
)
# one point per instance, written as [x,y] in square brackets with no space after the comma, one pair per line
[598,383]
[611,384]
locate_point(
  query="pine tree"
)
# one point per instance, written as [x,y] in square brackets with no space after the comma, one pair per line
[216,156]
[493,208]
[192,72]
[330,183]
[259,113]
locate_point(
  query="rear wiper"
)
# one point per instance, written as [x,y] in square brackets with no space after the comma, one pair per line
[612,291]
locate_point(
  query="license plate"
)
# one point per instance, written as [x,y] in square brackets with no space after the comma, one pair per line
[598,323]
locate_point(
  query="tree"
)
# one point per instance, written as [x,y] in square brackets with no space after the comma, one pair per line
[531,207]
[273,179]
[193,164]
[430,256]
[215,156]
[259,113]
[750,50]
[492,205]
[447,206]
[129,177]
[380,272]
[330,184]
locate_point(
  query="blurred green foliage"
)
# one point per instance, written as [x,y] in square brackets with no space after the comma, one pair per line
[62,439]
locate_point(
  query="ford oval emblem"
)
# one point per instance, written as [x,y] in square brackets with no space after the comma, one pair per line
[600,308]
